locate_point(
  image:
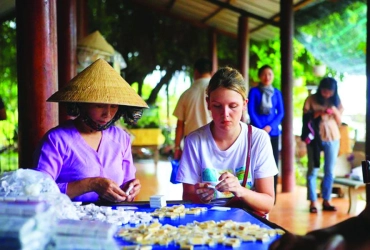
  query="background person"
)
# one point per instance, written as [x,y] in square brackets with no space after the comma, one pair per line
[191,109]
[266,110]
[324,105]
[88,157]
[217,153]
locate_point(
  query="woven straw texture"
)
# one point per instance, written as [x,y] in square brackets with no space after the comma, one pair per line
[96,41]
[99,83]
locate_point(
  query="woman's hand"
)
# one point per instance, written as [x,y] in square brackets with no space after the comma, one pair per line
[108,189]
[267,128]
[132,189]
[204,193]
[336,113]
[229,183]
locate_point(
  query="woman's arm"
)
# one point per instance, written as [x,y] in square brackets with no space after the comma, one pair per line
[253,106]
[105,188]
[337,113]
[279,115]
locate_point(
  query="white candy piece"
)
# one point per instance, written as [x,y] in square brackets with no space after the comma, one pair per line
[220,208]
[129,190]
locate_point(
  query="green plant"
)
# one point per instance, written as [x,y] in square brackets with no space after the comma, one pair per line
[301,170]
[149,119]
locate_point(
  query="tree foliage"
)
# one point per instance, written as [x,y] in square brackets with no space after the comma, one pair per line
[150,41]
[8,79]
[9,94]
[147,40]
[338,38]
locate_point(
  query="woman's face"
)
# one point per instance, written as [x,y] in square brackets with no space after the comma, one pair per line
[326,93]
[101,113]
[227,108]
[266,77]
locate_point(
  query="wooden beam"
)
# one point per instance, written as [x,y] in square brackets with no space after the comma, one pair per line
[276,17]
[213,14]
[244,12]
[164,11]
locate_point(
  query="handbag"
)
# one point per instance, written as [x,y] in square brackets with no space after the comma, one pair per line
[235,201]
[175,166]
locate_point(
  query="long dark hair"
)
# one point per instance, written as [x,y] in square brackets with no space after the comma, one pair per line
[330,84]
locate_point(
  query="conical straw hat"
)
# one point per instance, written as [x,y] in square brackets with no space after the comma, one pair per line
[99,83]
[95,41]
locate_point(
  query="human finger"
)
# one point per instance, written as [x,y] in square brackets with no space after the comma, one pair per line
[204,193]
[224,176]
[207,196]
[133,190]
[230,183]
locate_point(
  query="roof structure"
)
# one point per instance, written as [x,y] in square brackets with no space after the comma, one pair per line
[332,48]
[263,24]
[223,15]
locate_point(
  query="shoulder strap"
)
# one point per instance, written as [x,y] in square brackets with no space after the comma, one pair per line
[248,156]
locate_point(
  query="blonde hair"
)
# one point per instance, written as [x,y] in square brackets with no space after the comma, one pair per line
[228,78]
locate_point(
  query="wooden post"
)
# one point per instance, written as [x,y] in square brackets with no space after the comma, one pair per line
[243,48]
[367,136]
[287,149]
[365,169]
[82,20]
[213,50]
[67,45]
[37,73]
[243,56]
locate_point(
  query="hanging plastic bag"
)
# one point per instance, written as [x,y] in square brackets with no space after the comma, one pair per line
[175,166]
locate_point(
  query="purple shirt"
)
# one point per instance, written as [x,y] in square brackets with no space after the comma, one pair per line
[66,157]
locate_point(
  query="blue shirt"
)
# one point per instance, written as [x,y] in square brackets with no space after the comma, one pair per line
[262,120]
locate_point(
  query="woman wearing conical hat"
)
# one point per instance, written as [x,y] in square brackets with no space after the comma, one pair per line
[89,158]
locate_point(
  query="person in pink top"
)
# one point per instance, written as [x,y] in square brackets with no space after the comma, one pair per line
[88,157]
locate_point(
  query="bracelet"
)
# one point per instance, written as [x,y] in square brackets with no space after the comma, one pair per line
[177,148]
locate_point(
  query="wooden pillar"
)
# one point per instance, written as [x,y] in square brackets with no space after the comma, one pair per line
[243,48]
[213,50]
[67,45]
[37,73]
[82,19]
[287,149]
[367,136]
[243,56]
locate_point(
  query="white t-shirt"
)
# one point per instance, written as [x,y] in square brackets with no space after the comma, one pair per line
[192,106]
[203,161]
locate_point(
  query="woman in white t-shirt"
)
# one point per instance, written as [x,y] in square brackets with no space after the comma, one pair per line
[216,154]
